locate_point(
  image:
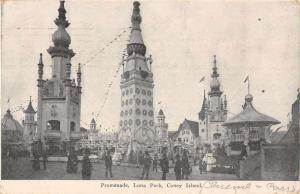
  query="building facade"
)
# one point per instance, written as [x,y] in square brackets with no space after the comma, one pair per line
[187,137]
[136,126]
[213,112]
[59,98]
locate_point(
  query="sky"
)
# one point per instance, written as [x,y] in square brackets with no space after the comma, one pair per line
[259,39]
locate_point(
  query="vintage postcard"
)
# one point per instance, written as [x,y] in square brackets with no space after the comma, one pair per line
[180,96]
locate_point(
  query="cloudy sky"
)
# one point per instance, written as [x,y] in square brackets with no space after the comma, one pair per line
[259,39]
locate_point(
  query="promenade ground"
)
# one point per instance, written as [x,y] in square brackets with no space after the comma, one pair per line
[21,169]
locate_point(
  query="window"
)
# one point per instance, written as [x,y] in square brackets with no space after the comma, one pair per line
[72,126]
[202,130]
[53,125]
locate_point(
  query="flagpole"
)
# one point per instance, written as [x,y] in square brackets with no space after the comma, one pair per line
[248,85]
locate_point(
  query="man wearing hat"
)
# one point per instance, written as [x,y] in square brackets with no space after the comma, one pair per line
[147,164]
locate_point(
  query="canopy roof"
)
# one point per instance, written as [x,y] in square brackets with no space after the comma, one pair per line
[250,115]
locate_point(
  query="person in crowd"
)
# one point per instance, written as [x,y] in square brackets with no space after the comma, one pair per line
[72,161]
[164,164]
[86,170]
[185,165]
[36,156]
[45,158]
[244,153]
[108,164]
[204,164]
[155,161]
[147,164]
[178,167]
[201,165]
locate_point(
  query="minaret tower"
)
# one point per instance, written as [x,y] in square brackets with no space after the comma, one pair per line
[136,115]
[59,98]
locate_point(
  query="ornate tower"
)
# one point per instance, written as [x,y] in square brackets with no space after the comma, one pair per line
[59,98]
[29,124]
[213,112]
[161,127]
[136,127]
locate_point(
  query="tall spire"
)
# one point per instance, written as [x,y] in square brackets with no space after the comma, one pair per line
[29,108]
[215,84]
[215,69]
[136,43]
[41,66]
[61,20]
[201,114]
[79,75]
[60,37]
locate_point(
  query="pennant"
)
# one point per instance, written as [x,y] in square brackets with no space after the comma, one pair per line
[247,79]
[202,79]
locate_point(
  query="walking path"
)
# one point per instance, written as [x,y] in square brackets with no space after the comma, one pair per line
[21,169]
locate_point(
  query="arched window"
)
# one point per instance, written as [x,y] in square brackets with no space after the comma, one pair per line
[53,125]
[72,126]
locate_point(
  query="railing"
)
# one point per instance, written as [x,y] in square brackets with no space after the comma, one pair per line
[241,137]
[53,134]
[75,135]
[237,137]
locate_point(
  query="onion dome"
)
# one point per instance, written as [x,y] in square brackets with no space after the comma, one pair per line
[9,123]
[30,109]
[61,37]
[136,43]
[250,116]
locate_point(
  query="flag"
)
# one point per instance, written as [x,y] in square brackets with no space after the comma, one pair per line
[202,79]
[263,91]
[247,79]
[159,102]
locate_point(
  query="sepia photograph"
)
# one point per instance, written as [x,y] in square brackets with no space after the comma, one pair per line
[150,90]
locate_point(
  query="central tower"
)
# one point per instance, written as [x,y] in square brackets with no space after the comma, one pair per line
[136,127]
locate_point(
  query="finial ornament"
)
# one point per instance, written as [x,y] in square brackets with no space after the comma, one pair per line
[61,20]
[136,18]
[40,67]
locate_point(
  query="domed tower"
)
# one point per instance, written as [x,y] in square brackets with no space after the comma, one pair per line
[59,98]
[214,111]
[29,124]
[136,115]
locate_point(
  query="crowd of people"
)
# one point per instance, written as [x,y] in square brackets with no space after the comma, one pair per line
[180,163]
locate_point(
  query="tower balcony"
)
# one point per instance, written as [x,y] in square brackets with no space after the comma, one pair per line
[53,134]
[76,135]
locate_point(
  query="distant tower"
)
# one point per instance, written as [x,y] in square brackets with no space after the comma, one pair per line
[213,112]
[59,98]
[93,125]
[161,127]
[136,127]
[29,124]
